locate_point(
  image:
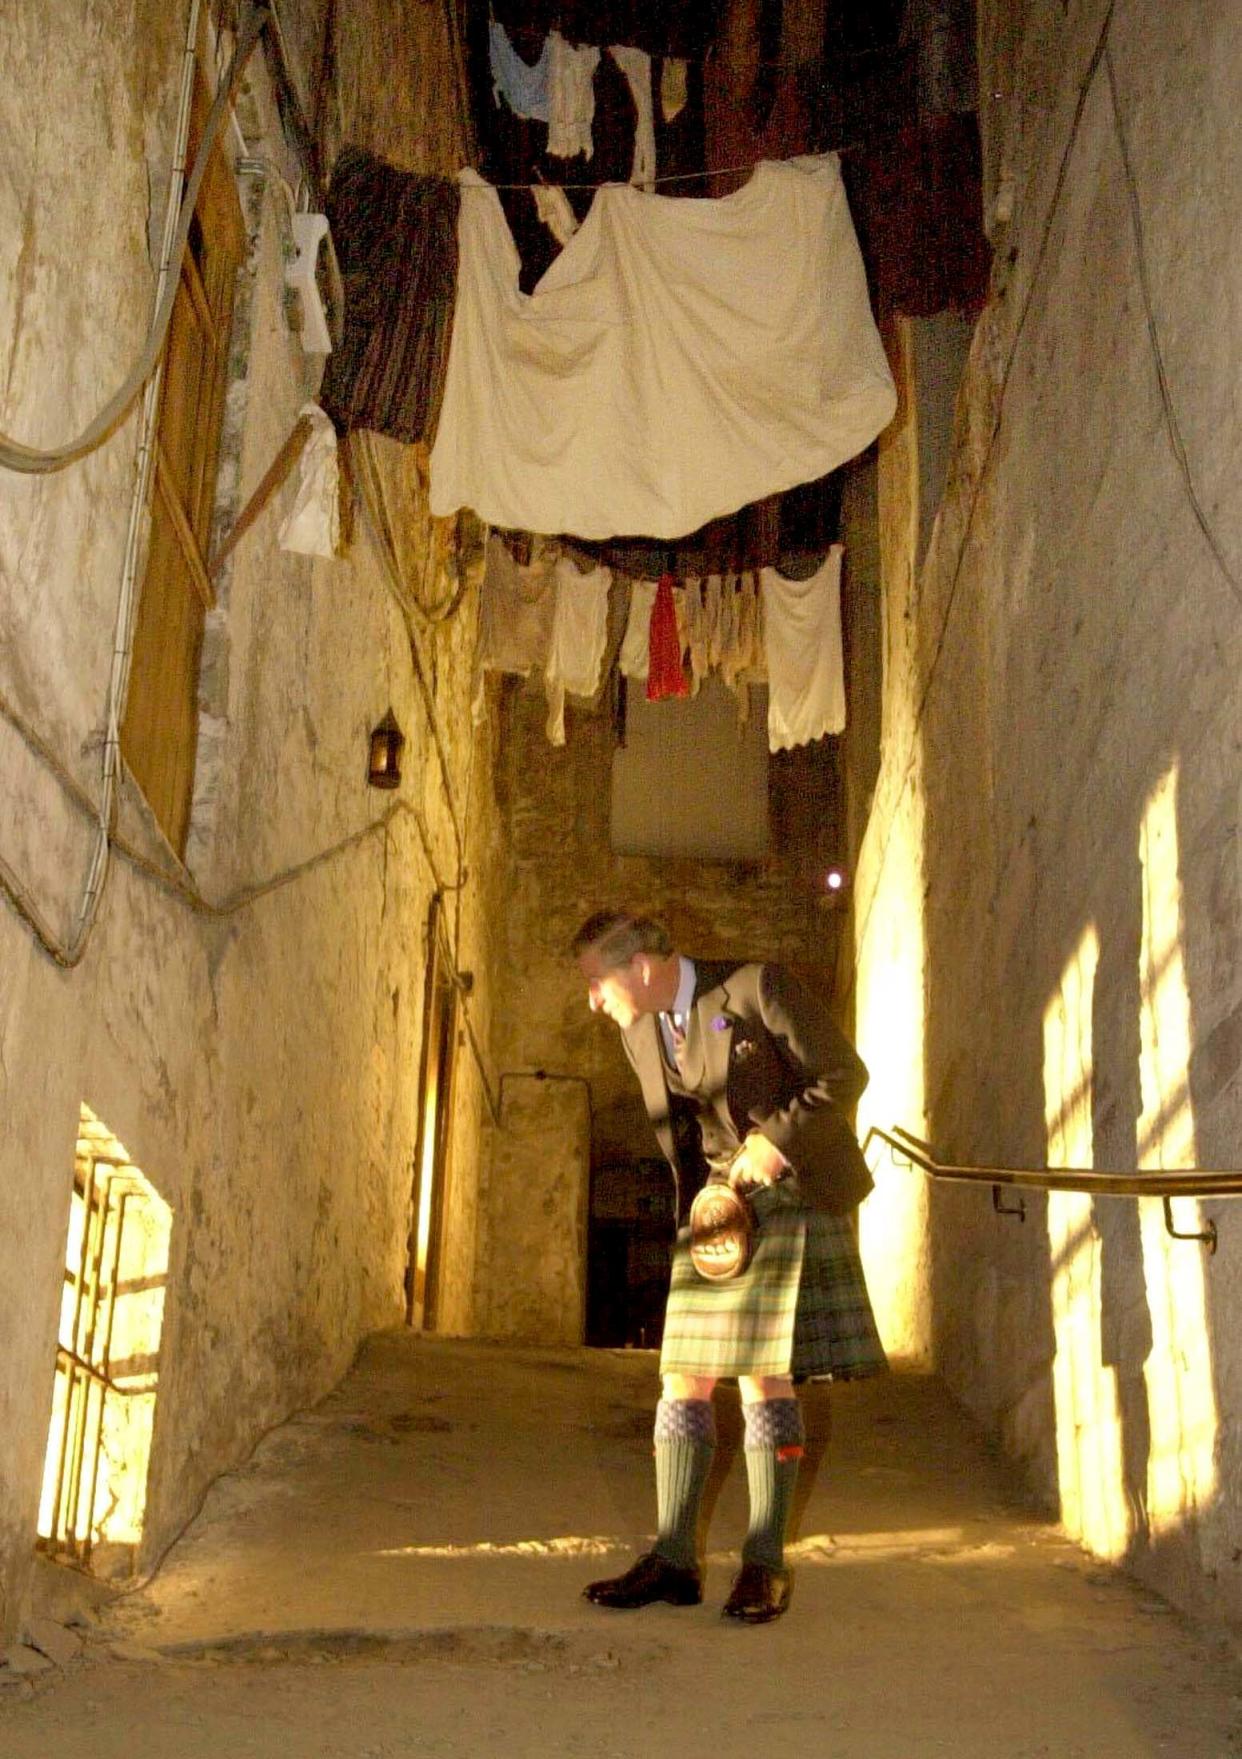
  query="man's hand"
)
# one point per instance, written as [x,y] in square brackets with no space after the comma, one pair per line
[757,1162]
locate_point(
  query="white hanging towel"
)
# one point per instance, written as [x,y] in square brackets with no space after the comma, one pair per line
[635,64]
[579,637]
[806,671]
[635,657]
[679,359]
[312,526]
[552,207]
[571,98]
[517,607]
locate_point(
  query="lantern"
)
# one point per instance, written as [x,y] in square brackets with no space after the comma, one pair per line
[387,740]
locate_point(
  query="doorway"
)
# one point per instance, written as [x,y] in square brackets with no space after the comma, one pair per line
[632,1226]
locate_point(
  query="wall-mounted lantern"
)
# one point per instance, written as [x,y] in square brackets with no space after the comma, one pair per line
[387,741]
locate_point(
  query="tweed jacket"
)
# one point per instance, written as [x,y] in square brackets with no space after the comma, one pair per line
[762,1051]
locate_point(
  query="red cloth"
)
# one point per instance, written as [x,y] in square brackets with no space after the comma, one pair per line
[665,674]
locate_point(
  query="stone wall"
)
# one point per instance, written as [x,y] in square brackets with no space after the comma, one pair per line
[554,806]
[1049,885]
[258,1058]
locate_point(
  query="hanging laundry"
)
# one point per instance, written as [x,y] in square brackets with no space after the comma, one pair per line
[802,636]
[692,631]
[312,526]
[517,608]
[740,646]
[525,89]
[552,207]
[665,675]
[396,242]
[636,66]
[679,359]
[571,98]
[635,657]
[675,27]
[579,637]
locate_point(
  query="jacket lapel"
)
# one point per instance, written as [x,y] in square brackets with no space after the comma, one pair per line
[642,1042]
[710,1038]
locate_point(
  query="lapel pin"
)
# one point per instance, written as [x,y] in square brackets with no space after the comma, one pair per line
[721,1023]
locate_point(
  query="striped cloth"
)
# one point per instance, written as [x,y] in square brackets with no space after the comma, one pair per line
[800,1307]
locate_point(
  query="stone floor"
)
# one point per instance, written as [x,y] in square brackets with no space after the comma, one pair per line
[398,1573]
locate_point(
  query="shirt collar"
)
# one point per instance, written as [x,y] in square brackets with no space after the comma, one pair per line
[684,999]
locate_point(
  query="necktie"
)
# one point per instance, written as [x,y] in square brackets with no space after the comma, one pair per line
[676,1037]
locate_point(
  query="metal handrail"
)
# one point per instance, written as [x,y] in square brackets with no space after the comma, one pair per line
[1162,1182]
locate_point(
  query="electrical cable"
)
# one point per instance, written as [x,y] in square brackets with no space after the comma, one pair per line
[362,446]
[391,570]
[1101,55]
[68,955]
[1172,425]
[1033,282]
[41,461]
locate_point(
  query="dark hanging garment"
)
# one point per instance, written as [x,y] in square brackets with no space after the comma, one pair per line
[917,201]
[803,522]
[396,241]
[676,27]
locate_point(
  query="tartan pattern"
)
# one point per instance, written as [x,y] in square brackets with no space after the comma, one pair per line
[800,1307]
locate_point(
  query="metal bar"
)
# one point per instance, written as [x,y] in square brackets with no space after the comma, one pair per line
[1206,1238]
[116,1210]
[1158,1182]
[67,1506]
[88,1369]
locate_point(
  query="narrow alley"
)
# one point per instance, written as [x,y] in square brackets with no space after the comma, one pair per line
[398,1573]
[620,879]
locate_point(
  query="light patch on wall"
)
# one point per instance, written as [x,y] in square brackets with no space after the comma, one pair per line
[1181,1469]
[1090,1456]
[889,1028]
[93,1502]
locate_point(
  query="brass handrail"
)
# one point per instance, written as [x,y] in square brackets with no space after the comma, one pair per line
[1162,1182]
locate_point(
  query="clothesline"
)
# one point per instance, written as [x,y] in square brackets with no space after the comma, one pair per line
[669,176]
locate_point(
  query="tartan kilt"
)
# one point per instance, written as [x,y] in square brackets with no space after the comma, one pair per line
[800,1307]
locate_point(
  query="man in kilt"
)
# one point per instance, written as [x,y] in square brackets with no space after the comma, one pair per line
[752,1059]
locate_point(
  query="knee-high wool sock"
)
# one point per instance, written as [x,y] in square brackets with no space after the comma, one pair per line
[774,1445]
[685,1440]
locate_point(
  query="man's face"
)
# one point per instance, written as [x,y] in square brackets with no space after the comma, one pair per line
[620,991]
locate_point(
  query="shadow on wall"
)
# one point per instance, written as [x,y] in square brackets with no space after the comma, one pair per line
[1136,1404]
[1123,1347]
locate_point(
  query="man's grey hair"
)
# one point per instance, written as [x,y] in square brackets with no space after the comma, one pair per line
[616,936]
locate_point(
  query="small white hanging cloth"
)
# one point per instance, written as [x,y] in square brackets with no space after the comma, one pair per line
[312,527]
[806,671]
[517,608]
[635,657]
[571,98]
[579,638]
[635,64]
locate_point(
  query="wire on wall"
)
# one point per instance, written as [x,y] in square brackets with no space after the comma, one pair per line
[1100,55]
[41,461]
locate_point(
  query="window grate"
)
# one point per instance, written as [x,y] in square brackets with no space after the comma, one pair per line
[107,1359]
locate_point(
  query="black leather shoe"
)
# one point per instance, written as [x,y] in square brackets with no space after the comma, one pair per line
[759,1594]
[651,1578]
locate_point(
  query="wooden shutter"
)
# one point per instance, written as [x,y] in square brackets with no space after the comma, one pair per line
[160,731]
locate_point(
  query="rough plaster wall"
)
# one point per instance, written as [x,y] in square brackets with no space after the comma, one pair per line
[1085,649]
[555,807]
[261,1068]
